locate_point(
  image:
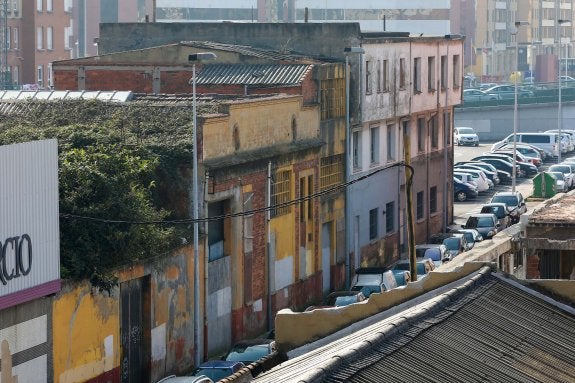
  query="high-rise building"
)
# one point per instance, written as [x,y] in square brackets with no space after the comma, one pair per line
[428,17]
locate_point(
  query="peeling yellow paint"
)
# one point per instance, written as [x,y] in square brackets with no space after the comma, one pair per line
[82,323]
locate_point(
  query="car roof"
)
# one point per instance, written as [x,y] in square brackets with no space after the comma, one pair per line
[253,342]
[217,363]
[479,215]
[507,193]
[493,204]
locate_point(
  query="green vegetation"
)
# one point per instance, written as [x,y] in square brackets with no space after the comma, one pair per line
[117,162]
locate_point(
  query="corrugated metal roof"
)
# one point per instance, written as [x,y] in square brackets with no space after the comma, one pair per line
[267,74]
[246,50]
[489,330]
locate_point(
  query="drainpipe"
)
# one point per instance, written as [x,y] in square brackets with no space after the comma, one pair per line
[268,247]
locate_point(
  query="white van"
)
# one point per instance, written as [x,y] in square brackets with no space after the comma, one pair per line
[373,280]
[546,141]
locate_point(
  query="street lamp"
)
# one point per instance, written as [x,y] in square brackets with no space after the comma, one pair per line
[349,158]
[514,170]
[198,344]
[559,112]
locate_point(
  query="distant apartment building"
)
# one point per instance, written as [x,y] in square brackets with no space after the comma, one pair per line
[496,37]
[34,33]
[429,17]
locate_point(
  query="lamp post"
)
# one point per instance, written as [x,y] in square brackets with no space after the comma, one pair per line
[559,112]
[349,160]
[514,170]
[198,341]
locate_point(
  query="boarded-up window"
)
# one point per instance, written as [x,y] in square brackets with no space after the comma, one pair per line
[332,98]
[331,171]
[281,193]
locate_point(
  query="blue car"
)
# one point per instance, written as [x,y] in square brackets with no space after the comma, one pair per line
[218,369]
[463,191]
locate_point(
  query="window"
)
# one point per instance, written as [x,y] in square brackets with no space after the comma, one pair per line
[374,145]
[49,38]
[39,5]
[456,72]
[332,95]
[15,9]
[390,217]
[420,134]
[280,192]
[15,33]
[49,75]
[49,6]
[384,77]
[373,223]
[433,199]
[443,72]
[16,75]
[417,74]
[356,149]
[40,78]
[8,39]
[331,171]
[401,73]
[419,205]
[67,5]
[434,132]
[379,76]
[391,154]
[368,77]
[431,73]
[67,34]
[40,38]
[447,117]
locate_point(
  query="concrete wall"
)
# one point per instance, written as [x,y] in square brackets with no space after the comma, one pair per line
[493,123]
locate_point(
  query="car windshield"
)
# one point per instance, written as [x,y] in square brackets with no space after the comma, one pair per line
[466,131]
[249,353]
[499,211]
[557,175]
[215,374]
[345,300]
[479,222]
[469,236]
[560,168]
[508,200]
[432,253]
[452,243]
[367,290]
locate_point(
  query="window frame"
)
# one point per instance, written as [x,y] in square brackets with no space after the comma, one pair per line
[433,200]
[368,77]
[417,74]
[40,38]
[390,217]
[420,205]
[373,223]
[391,143]
[431,73]
[374,145]
[421,134]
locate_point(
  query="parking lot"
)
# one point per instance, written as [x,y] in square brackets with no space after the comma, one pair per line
[463,209]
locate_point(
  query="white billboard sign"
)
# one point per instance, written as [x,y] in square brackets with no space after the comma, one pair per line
[29,222]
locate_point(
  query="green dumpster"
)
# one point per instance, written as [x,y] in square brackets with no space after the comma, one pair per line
[543,185]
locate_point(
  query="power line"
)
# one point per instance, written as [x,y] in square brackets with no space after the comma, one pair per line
[243,213]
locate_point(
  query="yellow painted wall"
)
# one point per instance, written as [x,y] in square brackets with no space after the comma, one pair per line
[85,334]
[261,123]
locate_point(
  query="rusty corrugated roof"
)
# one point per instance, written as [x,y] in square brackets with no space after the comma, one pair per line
[487,329]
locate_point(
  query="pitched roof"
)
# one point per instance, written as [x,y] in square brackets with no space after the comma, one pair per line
[263,74]
[484,328]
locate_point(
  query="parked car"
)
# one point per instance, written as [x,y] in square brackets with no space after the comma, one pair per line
[500,163]
[470,178]
[424,266]
[402,277]
[186,379]
[568,172]
[515,204]
[456,243]
[478,175]
[490,174]
[560,185]
[463,191]
[438,253]
[507,91]
[371,280]
[217,369]
[486,224]
[465,136]
[526,150]
[500,211]
[545,141]
[504,177]
[339,299]
[475,95]
[249,351]
[472,236]
[567,139]
[527,169]
[535,161]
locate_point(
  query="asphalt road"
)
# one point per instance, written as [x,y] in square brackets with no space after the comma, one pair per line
[461,210]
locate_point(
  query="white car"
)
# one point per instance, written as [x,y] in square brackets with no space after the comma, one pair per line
[474,179]
[465,136]
[568,171]
[478,176]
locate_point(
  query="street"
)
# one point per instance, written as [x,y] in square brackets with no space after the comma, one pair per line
[461,210]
